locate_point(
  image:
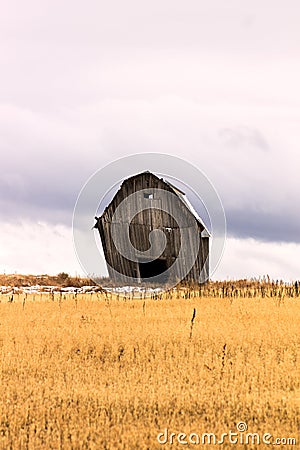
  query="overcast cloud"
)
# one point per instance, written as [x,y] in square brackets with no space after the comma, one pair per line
[217,83]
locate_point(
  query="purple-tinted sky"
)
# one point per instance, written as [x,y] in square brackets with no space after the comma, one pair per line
[216,83]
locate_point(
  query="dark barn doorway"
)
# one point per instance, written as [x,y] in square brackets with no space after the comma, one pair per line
[153,268]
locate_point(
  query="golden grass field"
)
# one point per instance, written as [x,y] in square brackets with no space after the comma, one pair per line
[96,372]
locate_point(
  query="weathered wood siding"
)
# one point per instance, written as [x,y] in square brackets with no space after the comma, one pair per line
[151,216]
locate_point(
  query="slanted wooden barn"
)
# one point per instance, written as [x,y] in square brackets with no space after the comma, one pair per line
[157,205]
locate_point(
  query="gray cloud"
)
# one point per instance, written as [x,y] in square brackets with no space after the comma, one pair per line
[243,137]
[254,169]
[211,82]
[263,226]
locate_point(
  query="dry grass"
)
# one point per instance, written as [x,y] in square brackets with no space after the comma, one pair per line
[91,372]
[60,280]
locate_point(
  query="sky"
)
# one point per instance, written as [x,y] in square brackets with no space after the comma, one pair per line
[215,83]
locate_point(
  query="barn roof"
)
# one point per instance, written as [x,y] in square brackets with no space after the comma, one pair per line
[185,200]
[180,194]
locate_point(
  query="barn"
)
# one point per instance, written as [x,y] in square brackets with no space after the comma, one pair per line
[151,232]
